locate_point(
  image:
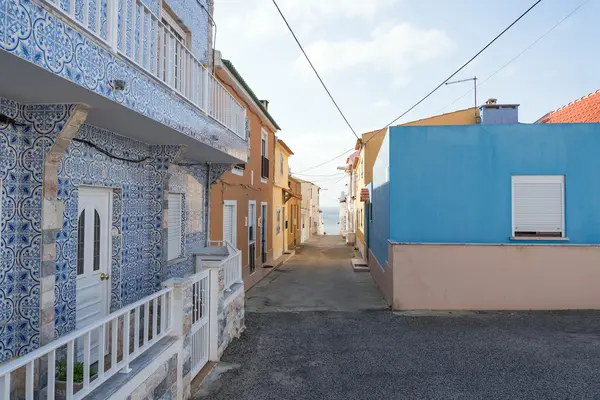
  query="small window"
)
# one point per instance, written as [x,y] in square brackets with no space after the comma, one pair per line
[80,242]
[281,164]
[538,205]
[238,169]
[175,226]
[278,219]
[96,241]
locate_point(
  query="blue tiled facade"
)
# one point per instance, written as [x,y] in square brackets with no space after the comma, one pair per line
[41,35]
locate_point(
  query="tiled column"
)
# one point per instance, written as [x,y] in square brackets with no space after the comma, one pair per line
[52,216]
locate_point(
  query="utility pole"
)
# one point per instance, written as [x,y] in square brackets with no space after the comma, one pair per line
[474,79]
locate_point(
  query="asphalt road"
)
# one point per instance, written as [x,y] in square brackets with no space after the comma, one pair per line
[315,346]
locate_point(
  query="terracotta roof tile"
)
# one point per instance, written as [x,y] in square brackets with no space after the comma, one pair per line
[585,109]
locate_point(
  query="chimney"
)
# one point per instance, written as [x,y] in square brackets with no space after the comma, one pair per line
[494,113]
[265,104]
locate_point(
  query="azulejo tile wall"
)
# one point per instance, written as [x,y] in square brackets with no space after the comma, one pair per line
[23,147]
[29,31]
[137,217]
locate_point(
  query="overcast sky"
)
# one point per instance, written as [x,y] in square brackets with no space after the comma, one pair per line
[378,57]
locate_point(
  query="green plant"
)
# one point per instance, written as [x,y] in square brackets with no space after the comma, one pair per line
[61,371]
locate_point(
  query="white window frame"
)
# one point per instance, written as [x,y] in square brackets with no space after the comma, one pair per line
[264,135]
[233,222]
[180,254]
[541,179]
[252,222]
[237,171]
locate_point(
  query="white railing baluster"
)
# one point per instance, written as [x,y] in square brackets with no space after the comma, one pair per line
[114,351]
[101,350]
[29,381]
[133,22]
[154,318]
[72,9]
[124,22]
[86,10]
[51,374]
[148,22]
[98,16]
[136,330]
[163,314]
[146,322]
[126,325]
[70,366]
[70,340]
[87,338]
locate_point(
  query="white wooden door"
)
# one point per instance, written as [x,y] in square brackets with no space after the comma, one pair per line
[93,259]
[229,222]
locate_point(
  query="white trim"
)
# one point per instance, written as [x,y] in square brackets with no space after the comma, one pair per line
[537,179]
[233,222]
[166,15]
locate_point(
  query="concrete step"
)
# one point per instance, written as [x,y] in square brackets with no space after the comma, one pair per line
[359,265]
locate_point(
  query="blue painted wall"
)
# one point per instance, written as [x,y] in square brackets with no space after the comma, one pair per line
[452,184]
[380,198]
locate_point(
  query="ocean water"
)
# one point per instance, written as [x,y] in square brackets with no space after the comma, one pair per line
[331,219]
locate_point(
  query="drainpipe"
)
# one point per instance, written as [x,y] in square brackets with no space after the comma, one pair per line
[208,190]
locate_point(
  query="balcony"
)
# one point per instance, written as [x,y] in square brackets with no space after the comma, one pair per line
[107,58]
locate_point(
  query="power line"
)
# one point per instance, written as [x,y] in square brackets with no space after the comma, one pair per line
[326,162]
[458,70]
[314,69]
[518,55]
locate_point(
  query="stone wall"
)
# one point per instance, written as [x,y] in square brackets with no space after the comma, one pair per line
[162,384]
[231,317]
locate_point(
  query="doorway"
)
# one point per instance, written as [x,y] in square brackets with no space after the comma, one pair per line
[93,258]
[263,233]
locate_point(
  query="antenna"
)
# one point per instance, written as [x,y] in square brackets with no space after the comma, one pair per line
[474,79]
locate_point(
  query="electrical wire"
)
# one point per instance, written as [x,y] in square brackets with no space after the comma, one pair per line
[458,70]
[518,55]
[315,70]
[326,162]
[437,87]
[108,154]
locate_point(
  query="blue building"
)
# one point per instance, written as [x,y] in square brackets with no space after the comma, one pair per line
[112,129]
[489,216]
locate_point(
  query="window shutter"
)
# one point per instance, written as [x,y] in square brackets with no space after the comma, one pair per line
[175,222]
[228,223]
[538,204]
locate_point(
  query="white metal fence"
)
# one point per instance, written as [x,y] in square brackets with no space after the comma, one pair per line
[200,332]
[141,36]
[151,318]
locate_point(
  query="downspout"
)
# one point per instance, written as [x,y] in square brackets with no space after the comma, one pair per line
[208,191]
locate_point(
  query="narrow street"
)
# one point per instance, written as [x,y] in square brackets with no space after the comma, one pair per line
[317,330]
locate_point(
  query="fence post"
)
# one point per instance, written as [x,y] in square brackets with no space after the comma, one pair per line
[112,29]
[206,90]
[177,305]
[213,315]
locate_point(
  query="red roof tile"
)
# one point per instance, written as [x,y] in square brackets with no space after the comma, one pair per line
[585,109]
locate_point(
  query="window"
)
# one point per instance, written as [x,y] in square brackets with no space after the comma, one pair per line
[278,219]
[362,167]
[281,163]
[96,241]
[238,169]
[80,242]
[538,205]
[264,153]
[251,222]
[175,226]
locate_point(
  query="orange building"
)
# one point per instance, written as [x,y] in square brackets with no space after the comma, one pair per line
[241,200]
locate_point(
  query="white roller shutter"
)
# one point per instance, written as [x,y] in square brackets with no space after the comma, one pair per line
[174,225]
[538,205]
[228,223]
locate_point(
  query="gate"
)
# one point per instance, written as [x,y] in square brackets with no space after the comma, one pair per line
[200,332]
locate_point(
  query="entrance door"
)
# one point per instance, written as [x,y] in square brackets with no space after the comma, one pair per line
[284,229]
[263,234]
[93,259]
[252,236]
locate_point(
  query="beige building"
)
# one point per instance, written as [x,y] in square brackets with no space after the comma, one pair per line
[281,194]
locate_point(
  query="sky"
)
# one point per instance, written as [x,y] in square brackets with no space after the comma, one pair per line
[379,57]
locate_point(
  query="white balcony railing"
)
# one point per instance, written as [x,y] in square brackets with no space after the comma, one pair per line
[141,36]
[232,265]
[152,320]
